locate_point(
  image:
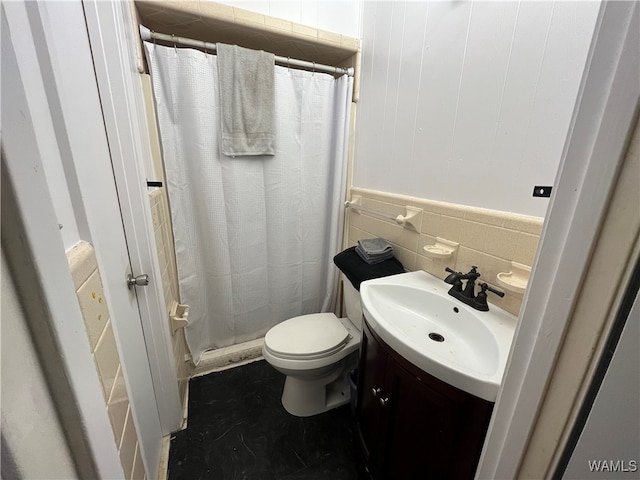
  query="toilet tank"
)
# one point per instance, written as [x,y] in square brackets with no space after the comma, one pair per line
[352,303]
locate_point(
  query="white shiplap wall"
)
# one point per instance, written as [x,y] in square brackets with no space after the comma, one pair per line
[469,102]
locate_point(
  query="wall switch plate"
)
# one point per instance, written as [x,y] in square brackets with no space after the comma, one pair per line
[539,191]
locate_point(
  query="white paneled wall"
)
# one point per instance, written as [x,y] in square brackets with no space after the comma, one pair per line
[342,16]
[469,102]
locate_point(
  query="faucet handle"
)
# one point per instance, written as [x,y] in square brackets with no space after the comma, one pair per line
[484,287]
[481,298]
[454,278]
[472,275]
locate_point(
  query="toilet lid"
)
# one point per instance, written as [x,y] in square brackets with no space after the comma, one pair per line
[316,335]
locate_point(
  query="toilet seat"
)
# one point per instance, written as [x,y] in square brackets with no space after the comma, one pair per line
[307,337]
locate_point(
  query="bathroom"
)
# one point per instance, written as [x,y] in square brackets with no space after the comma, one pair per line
[505,125]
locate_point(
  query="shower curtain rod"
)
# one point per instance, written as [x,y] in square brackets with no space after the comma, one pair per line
[148,35]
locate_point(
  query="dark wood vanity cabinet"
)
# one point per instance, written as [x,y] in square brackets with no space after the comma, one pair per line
[412,425]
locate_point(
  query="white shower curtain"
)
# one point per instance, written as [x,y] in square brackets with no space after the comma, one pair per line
[254,236]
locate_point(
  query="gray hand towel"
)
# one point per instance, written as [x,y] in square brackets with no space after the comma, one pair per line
[247,103]
[373,259]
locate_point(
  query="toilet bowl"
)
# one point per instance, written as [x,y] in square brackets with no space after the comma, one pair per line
[316,352]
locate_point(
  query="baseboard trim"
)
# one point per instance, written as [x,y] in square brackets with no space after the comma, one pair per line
[229,357]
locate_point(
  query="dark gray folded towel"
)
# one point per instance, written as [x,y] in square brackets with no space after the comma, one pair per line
[357,270]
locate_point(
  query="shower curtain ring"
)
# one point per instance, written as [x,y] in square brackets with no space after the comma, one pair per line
[173,39]
[153,36]
[288,63]
[314,68]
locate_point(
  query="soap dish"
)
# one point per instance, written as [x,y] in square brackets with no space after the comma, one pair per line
[441,249]
[179,315]
[516,280]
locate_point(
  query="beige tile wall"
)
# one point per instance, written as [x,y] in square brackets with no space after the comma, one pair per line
[86,278]
[163,232]
[489,239]
[166,256]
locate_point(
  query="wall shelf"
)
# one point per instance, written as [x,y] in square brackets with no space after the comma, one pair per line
[516,280]
[179,316]
[441,249]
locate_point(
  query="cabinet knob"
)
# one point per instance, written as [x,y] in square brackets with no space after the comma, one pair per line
[384,401]
[375,391]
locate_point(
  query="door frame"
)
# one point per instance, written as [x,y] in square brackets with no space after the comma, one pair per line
[593,152]
[64,101]
[67,161]
[34,250]
[110,29]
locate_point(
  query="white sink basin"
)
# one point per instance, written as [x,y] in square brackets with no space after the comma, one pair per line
[463,347]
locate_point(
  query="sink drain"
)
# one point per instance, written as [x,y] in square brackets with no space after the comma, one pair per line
[436,337]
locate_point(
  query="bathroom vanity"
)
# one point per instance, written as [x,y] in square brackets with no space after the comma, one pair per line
[429,372]
[412,425]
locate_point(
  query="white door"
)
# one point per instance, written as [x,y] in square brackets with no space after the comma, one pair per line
[57,69]
[35,202]
[111,29]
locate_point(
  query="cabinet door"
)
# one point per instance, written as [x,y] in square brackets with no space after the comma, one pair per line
[421,435]
[373,364]
[412,425]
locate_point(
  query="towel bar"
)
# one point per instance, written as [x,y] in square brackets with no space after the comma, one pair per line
[411,217]
[370,211]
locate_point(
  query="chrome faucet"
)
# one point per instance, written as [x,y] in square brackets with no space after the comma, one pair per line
[468,294]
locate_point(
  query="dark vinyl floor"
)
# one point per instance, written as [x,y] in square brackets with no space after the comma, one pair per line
[238,429]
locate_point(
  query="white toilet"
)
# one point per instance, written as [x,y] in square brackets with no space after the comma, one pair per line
[316,353]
